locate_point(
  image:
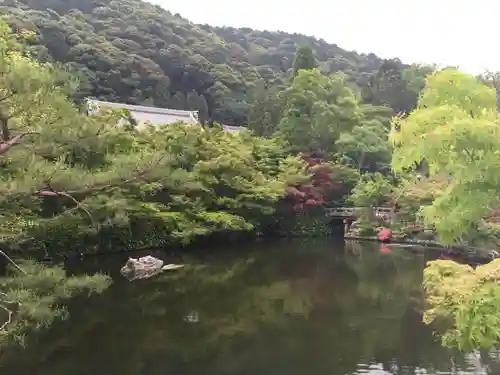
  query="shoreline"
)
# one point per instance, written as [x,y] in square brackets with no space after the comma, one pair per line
[471,253]
[401,240]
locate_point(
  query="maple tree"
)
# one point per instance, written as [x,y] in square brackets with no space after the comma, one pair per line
[455,130]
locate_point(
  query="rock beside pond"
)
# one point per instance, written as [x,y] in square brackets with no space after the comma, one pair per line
[170,267]
[145,267]
[142,264]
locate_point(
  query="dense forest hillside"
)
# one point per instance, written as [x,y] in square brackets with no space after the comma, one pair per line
[135,52]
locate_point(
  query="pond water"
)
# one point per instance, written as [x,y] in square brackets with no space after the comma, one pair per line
[278,308]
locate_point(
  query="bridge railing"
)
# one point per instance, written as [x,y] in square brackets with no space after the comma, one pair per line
[381,212]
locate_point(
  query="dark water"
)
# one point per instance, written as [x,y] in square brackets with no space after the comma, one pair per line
[281,308]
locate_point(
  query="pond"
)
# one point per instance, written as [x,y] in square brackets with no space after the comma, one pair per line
[280,308]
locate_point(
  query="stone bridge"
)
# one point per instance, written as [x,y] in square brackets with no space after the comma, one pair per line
[353,212]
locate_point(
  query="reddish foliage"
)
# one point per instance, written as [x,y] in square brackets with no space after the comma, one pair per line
[493,215]
[313,193]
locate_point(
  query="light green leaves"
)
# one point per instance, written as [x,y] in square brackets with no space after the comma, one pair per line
[467,301]
[455,131]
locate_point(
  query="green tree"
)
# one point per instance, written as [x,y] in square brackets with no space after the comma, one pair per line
[372,190]
[317,109]
[466,302]
[492,79]
[455,130]
[36,298]
[264,111]
[397,85]
[198,103]
[304,59]
[178,101]
[415,76]
[162,93]
[126,64]
[365,145]
[192,101]
[42,156]
[203,113]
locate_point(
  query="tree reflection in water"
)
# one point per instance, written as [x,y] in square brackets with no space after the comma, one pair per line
[290,307]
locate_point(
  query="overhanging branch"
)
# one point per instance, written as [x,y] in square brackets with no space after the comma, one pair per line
[12,262]
[7,145]
[9,319]
[48,191]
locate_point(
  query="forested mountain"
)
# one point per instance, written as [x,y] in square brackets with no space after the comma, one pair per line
[134,52]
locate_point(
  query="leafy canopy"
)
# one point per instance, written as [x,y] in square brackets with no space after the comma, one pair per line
[466,301]
[132,51]
[304,59]
[455,130]
[371,190]
[366,144]
[317,109]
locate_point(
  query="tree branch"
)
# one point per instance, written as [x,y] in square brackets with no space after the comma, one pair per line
[12,262]
[8,142]
[9,319]
[10,312]
[469,154]
[8,96]
[7,145]
[50,192]
[79,205]
[121,183]
[4,128]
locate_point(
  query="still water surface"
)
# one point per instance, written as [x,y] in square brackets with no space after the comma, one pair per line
[271,308]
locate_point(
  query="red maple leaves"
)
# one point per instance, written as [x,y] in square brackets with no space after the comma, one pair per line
[315,192]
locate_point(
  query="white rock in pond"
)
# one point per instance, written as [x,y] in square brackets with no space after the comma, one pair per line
[169,267]
[145,267]
[144,264]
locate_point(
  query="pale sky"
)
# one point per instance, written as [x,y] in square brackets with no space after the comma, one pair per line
[446,32]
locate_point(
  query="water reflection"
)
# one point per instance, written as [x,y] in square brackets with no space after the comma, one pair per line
[278,308]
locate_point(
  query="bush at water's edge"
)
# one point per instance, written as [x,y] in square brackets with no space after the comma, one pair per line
[72,237]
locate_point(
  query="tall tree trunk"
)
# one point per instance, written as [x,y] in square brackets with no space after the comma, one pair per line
[4,126]
[361,161]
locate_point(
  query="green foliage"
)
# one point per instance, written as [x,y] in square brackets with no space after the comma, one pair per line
[365,145]
[203,114]
[364,226]
[395,86]
[317,109]
[54,157]
[70,187]
[372,190]
[312,223]
[214,181]
[304,59]
[415,76]
[466,302]
[70,182]
[73,182]
[178,101]
[131,50]
[455,131]
[37,298]
[161,94]
[264,111]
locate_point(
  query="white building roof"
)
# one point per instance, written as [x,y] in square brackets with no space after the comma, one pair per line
[144,114]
